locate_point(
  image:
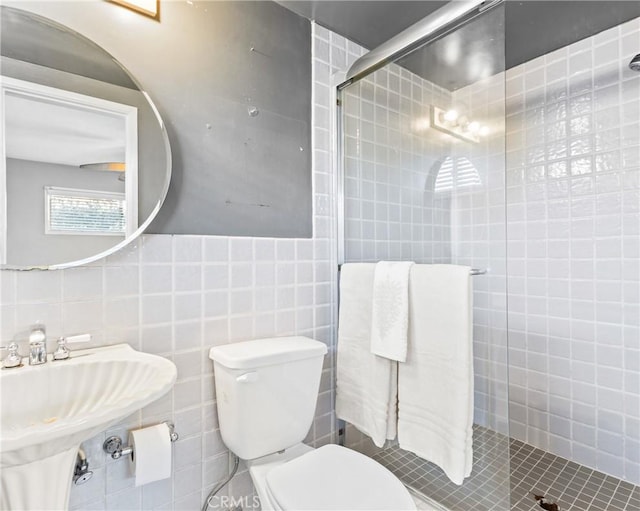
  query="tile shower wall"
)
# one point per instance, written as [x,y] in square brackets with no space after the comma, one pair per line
[573,175]
[176,296]
[478,239]
[394,211]
[399,205]
[390,159]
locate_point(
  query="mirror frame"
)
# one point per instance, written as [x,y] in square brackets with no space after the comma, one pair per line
[168,157]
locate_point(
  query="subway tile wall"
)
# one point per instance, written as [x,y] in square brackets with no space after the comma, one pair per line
[573,199]
[176,296]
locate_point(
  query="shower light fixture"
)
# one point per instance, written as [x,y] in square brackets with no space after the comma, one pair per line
[453,123]
[450,115]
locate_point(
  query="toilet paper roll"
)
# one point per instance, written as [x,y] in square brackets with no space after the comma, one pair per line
[151,457]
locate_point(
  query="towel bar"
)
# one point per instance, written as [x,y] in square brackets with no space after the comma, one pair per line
[472,271]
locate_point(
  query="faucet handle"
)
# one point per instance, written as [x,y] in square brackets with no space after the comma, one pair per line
[62,352]
[13,359]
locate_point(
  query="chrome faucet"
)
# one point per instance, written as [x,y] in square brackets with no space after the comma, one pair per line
[37,345]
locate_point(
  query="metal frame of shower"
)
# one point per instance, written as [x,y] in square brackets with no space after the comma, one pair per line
[430,28]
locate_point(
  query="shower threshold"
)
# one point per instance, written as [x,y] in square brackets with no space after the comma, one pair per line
[425,503]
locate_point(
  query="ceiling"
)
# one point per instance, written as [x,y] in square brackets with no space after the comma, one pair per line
[54,132]
[366,22]
[531,28]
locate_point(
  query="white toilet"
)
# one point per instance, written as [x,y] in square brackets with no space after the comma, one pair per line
[266,392]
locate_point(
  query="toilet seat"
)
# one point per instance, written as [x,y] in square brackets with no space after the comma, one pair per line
[335,478]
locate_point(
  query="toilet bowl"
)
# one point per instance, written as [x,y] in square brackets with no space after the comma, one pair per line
[266,394]
[328,478]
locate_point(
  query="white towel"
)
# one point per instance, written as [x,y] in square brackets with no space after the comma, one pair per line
[435,385]
[367,385]
[390,313]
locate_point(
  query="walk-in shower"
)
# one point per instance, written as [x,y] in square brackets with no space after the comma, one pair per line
[532,173]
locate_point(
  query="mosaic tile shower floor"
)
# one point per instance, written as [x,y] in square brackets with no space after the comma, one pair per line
[571,486]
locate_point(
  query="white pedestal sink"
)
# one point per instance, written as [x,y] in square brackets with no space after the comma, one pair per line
[49,410]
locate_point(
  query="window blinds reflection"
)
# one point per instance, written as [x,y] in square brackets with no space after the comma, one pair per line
[458,173]
[72,211]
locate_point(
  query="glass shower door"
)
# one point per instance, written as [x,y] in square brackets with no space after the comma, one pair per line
[423,166]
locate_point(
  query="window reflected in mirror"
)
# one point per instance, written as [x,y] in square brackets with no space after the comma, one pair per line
[84,160]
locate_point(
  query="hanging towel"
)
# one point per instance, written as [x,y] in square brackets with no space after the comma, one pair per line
[435,385]
[390,312]
[367,385]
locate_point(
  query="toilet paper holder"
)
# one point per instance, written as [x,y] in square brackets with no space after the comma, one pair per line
[114,445]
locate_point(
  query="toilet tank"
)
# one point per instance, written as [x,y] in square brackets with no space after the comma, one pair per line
[266,392]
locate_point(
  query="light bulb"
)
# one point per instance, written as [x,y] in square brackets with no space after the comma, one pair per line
[484,130]
[451,115]
[474,127]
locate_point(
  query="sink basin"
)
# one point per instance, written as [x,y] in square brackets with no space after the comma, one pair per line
[47,411]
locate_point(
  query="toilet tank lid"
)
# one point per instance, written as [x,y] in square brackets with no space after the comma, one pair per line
[265,352]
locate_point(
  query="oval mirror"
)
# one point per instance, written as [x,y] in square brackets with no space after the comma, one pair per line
[85,161]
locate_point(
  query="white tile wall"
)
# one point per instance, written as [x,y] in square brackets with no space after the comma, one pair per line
[573,199]
[392,210]
[573,204]
[178,295]
[478,239]
[390,162]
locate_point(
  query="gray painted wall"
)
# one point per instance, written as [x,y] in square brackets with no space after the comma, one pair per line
[232,174]
[236,174]
[27,244]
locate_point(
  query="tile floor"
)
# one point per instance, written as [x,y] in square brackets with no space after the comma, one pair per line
[490,487]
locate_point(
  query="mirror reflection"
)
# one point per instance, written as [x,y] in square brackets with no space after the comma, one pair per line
[85,160]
